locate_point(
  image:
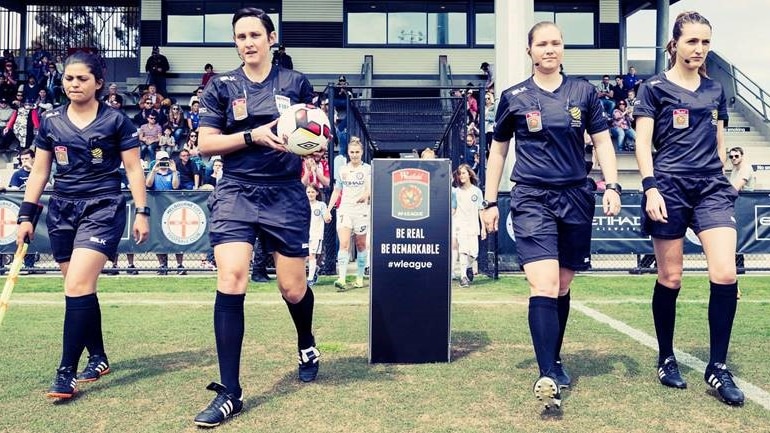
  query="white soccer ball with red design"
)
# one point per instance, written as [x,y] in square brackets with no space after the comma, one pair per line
[305,128]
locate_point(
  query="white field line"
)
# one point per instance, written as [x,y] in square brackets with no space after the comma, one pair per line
[753,392]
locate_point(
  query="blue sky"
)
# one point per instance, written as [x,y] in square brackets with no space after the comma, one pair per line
[741,32]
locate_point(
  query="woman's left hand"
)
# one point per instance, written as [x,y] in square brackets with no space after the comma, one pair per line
[264,136]
[611,202]
[141,228]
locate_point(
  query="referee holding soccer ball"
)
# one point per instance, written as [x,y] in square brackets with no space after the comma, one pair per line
[260,196]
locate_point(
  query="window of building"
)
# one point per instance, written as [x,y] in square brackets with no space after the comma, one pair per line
[207,22]
[485,29]
[420,23]
[576,20]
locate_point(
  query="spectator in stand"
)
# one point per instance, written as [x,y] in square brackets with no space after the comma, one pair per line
[196,95]
[631,102]
[619,92]
[621,130]
[166,141]
[191,145]
[280,58]
[152,94]
[156,67]
[193,120]
[341,96]
[141,118]
[630,80]
[7,138]
[177,122]
[742,176]
[43,101]
[163,176]
[7,91]
[11,76]
[40,58]
[315,171]
[113,99]
[18,101]
[472,106]
[25,123]
[19,179]
[471,148]
[207,75]
[189,175]
[149,136]
[52,83]
[489,119]
[210,180]
[605,95]
[59,62]
[19,182]
[428,153]
[489,74]
[30,89]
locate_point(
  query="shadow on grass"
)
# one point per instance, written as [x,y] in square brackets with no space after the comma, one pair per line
[138,369]
[333,372]
[589,363]
[465,343]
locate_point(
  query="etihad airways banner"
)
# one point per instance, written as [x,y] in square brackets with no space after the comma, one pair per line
[622,234]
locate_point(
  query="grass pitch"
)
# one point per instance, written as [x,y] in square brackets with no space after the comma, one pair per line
[159,337]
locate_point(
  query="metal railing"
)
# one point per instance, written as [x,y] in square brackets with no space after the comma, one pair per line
[739,84]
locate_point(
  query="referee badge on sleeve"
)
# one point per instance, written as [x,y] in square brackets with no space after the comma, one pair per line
[61,155]
[534,122]
[681,118]
[239,109]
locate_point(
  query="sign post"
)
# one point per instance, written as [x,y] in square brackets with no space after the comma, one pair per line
[410,308]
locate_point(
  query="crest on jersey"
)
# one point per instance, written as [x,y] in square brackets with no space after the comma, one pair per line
[97,155]
[681,118]
[534,121]
[411,194]
[9,212]
[576,116]
[183,223]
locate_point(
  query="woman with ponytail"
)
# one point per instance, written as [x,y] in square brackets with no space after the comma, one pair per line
[682,112]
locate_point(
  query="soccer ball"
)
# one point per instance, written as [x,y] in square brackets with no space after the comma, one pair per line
[305,128]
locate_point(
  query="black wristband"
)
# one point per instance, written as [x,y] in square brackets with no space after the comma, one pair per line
[247,138]
[27,211]
[648,183]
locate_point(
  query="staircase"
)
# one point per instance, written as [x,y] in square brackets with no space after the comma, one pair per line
[755,145]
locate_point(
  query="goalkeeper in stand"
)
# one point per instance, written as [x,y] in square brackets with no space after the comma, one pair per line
[259,196]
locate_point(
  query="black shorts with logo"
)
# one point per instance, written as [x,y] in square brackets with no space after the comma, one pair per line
[95,223]
[277,213]
[700,203]
[553,224]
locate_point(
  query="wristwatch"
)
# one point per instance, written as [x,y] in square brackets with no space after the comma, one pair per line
[488,204]
[143,211]
[247,138]
[615,187]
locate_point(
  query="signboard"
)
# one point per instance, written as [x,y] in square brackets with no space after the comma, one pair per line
[409,315]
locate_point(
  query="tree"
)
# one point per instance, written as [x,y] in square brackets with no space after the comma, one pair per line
[103,28]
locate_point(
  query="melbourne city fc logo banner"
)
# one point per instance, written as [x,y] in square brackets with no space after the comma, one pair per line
[9,212]
[411,194]
[183,223]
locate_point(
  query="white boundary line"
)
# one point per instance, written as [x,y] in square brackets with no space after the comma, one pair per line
[753,392]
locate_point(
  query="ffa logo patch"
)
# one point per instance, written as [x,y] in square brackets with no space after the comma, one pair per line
[714,117]
[576,115]
[97,155]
